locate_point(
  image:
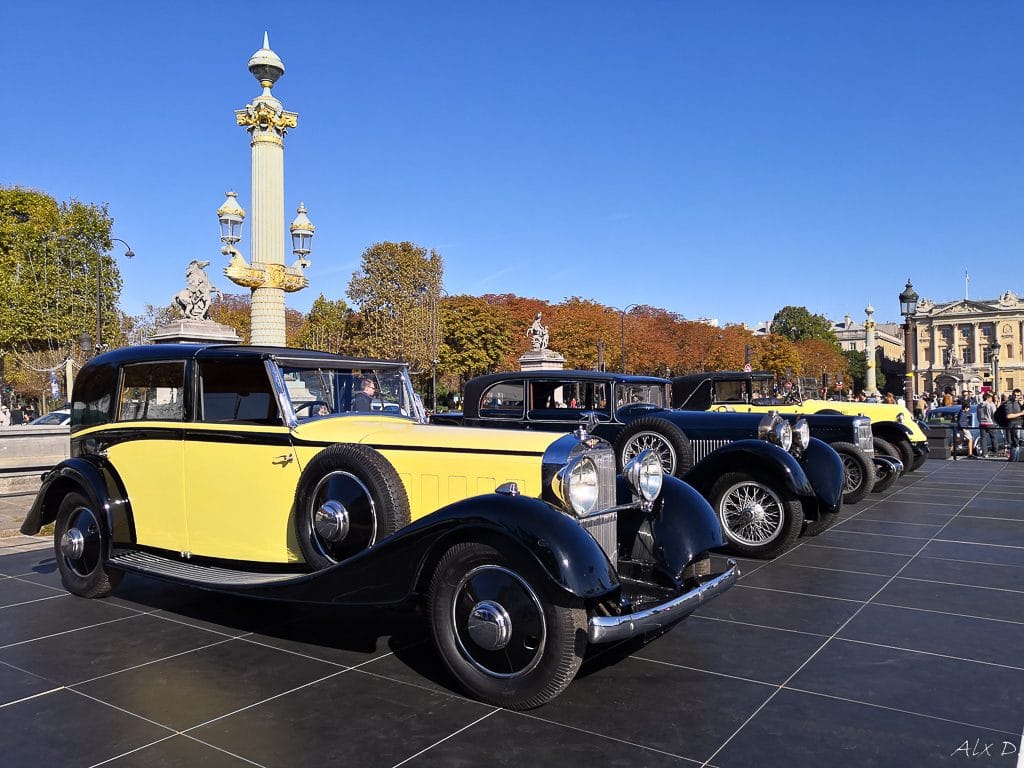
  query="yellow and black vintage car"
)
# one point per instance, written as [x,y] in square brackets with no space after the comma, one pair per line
[299,475]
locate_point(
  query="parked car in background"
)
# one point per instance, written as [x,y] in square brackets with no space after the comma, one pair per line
[258,471]
[52,419]
[896,432]
[850,436]
[764,477]
[945,416]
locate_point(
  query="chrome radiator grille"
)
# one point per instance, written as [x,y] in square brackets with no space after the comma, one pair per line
[605,462]
[701,448]
[865,440]
[605,530]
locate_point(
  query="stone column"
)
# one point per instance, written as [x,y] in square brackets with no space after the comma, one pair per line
[977,345]
[871,385]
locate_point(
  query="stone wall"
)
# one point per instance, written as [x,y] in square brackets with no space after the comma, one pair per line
[27,452]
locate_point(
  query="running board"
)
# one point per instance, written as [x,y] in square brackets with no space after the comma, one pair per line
[204,575]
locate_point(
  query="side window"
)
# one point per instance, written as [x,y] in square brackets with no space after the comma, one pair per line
[93,396]
[236,391]
[730,391]
[503,400]
[152,392]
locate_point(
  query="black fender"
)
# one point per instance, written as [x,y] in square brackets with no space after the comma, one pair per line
[824,468]
[684,525]
[97,480]
[394,569]
[888,463]
[753,457]
[892,430]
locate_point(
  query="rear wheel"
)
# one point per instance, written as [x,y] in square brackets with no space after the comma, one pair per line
[858,471]
[918,462]
[504,631]
[79,546]
[903,451]
[757,519]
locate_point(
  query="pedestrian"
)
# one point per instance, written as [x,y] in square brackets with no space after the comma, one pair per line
[5,416]
[987,424]
[1014,410]
[961,429]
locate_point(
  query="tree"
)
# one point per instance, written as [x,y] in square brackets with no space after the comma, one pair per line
[235,311]
[477,339]
[49,256]
[777,354]
[327,326]
[397,288]
[577,325]
[797,324]
[856,364]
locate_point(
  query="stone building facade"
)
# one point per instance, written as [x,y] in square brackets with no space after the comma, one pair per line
[953,344]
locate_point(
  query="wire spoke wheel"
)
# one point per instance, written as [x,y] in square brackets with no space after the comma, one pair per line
[854,474]
[751,513]
[656,442]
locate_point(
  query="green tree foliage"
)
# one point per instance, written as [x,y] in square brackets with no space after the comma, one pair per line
[327,326]
[397,288]
[858,367]
[777,354]
[798,324]
[477,339]
[50,252]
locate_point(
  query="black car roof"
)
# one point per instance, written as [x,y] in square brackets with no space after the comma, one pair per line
[148,352]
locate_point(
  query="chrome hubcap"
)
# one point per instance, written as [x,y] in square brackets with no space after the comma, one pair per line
[331,521]
[72,544]
[489,625]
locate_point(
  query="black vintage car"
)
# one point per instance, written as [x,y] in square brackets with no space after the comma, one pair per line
[261,471]
[767,480]
[850,436]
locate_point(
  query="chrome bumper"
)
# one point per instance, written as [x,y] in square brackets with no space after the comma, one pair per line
[606,629]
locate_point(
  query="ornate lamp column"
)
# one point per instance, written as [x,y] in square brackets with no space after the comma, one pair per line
[871,383]
[908,306]
[267,121]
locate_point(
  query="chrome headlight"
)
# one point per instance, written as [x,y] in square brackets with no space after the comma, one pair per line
[576,485]
[782,435]
[801,434]
[645,475]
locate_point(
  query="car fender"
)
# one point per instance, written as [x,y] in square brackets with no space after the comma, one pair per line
[888,463]
[684,525]
[93,477]
[892,430]
[401,565]
[753,457]
[824,468]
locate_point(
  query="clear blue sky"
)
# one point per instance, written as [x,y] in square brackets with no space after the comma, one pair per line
[714,158]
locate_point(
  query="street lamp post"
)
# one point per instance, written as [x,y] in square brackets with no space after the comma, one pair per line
[994,348]
[908,306]
[622,332]
[129,253]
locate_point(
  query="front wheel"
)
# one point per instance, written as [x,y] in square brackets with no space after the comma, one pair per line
[858,472]
[757,519]
[79,546]
[668,442]
[507,635]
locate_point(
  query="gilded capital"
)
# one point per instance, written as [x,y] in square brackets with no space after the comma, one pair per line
[263,117]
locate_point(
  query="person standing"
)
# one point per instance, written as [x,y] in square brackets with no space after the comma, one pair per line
[1014,410]
[5,416]
[987,424]
[961,429]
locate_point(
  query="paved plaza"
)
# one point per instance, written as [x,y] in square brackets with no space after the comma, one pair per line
[895,639]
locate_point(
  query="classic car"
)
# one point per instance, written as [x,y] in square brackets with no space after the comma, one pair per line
[850,436]
[764,478]
[897,433]
[269,472]
[944,417]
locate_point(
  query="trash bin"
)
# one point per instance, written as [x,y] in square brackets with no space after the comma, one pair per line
[940,441]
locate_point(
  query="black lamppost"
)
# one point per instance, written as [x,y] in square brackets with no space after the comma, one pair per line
[129,253]
[994,348]
[622,332]
[908,306]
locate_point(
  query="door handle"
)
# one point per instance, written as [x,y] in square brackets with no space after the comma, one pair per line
[284,459]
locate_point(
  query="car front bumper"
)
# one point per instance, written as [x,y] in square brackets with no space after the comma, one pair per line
[606,629]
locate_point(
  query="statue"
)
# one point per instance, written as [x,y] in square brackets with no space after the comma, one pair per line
[194,301]
[538,335]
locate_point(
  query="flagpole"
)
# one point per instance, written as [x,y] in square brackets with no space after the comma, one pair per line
[967,283]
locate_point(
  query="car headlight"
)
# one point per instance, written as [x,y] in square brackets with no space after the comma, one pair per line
[782,435]
[645,475]
[801,434]
[576,485]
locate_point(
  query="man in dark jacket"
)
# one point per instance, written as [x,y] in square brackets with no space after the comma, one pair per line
[987,424]
[1014,410]
[961,429]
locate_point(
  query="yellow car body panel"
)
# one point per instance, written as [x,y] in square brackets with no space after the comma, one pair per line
[877,412]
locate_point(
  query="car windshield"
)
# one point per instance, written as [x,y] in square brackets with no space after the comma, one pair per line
[317,388]
[640,393]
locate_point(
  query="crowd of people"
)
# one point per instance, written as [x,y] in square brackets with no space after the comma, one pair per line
[997,415]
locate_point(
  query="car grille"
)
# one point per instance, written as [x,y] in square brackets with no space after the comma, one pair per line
[604,527]
[701,448]
[865,440]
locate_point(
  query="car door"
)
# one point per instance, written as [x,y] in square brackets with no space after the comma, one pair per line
[144,445]
[240,469]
